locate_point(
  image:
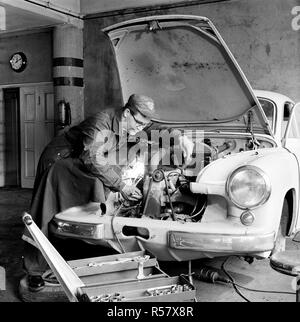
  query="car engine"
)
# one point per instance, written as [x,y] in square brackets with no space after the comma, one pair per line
[165,188]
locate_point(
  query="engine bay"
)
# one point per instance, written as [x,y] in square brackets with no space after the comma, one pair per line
[166,188]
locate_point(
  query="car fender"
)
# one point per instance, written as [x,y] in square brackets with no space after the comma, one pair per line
[281,169]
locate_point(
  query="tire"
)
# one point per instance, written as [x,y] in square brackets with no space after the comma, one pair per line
[280,241]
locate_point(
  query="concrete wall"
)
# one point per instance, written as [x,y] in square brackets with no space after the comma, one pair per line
[259,33]
[38,49]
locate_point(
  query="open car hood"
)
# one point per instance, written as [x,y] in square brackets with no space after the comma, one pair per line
[183,63]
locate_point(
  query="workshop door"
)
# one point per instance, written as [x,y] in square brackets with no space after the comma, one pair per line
[37,128]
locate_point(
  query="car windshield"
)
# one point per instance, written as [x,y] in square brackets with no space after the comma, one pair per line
[269,109]
[242,123]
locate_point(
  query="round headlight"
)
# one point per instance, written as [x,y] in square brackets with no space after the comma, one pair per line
[248,187]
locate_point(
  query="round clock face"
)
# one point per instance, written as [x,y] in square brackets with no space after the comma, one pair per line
[18,62]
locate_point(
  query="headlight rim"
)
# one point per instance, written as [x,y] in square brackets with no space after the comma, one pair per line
[259,171]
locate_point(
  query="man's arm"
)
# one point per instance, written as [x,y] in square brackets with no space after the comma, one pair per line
[99,143]
[98,165]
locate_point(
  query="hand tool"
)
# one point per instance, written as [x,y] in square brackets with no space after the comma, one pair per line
[141,260]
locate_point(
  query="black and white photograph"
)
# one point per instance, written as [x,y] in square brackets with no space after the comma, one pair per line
[149,154]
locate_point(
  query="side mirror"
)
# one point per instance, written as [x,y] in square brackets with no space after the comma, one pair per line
[296,238]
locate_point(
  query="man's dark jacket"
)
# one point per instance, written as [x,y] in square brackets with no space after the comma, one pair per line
[73,169]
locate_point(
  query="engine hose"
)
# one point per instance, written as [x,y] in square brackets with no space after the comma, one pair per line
[169,196]
[199,212]
[113,229]
[148,195]
[195,207]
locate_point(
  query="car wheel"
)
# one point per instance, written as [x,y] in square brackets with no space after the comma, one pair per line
[280,242]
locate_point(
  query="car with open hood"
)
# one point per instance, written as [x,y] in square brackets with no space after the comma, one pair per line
[240,196]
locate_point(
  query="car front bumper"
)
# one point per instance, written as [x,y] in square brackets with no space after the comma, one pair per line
[171,241]
[220,242]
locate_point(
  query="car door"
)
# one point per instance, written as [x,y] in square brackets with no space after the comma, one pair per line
[291,141]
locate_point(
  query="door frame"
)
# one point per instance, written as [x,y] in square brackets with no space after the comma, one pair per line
[2,111]
[16,134]
[292,144]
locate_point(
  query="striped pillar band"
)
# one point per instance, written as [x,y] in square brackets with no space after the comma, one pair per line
[68,71]
[67,61]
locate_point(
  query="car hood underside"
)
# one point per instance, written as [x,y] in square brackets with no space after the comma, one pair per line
[185,65]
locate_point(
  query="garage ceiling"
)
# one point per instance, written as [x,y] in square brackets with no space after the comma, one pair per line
[17,15]
[18,19]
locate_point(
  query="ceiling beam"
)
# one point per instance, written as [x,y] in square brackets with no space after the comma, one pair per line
[47,10]
[94,7]
[71,6]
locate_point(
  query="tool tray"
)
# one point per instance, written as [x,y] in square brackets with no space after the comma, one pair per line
[108,275]
[146,290]
[115,268]
[127,277]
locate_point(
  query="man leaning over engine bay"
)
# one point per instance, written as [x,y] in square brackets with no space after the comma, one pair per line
[74,170]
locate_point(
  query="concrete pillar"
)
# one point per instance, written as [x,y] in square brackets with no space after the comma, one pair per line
[68,70]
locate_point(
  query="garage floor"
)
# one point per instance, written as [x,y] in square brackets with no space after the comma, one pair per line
[258,275]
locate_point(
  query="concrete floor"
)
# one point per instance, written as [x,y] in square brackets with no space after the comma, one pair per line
[258,275]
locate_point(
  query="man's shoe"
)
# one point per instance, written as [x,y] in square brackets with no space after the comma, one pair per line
[35,283]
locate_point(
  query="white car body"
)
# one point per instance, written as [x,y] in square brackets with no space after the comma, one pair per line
[221,229]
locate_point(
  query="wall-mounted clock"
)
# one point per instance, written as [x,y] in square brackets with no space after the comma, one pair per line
[18,62]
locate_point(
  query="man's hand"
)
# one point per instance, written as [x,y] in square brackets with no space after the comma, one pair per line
[131,192]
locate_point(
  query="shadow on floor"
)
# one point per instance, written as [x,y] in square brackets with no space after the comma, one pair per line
[13,203]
